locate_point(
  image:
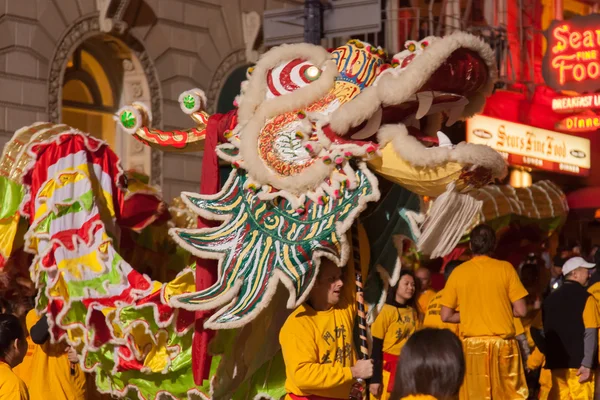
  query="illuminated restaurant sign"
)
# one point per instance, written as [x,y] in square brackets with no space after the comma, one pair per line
[572,59]
[570,104]
[527,146]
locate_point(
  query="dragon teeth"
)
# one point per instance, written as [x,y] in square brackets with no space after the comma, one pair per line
[454,115]
[425,102]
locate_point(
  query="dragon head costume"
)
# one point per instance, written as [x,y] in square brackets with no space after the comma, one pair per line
[321,141]
[313,130]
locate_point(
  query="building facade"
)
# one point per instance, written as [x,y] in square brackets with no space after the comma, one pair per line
[78,61]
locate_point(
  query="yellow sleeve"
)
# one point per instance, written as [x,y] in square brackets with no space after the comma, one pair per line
[536,359]
[590,313]
[381,323]
[516,290]
[31,319]
[303,367]
[449,294]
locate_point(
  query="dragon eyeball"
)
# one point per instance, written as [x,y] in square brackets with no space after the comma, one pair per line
[312,73]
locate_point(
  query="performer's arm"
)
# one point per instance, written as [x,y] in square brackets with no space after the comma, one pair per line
[378,330]
[591,321]
[449,302]
[519,308]
[516,293]
[449,315]
[300,353]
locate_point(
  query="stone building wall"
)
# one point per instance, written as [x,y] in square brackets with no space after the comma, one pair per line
[182,44]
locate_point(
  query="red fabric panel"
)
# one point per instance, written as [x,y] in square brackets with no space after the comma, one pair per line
[206,270]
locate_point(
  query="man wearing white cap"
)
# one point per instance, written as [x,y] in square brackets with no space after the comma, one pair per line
[571,321]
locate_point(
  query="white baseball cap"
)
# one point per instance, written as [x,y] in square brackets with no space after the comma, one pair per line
[575,262]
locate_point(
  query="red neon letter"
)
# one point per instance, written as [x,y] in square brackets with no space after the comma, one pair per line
[562,40]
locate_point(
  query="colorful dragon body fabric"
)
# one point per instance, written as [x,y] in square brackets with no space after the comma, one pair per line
[331,152]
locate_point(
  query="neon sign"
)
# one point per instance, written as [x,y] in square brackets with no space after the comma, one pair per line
[569,104]
[584,122]
[572,59]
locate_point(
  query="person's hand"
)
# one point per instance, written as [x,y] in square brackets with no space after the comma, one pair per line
[375,389]
[363,369]
[583,373]
[72,355]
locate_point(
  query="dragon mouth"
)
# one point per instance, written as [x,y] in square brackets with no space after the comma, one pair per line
[422,98]
[423,115]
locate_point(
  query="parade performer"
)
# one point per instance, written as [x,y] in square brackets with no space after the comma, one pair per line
[490,296]
[317,340]
[571,320]
[425,293]
[433,318]
[13,347]
[54,366]
[316,137]
[396,322]
[431,366]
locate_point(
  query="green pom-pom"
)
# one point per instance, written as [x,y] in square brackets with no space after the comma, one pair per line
[128,119]
[189,101]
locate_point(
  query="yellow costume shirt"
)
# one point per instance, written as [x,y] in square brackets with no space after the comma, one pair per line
[485,288]
[591,318]
[51,371]
[394,325]
[11,386]
[433,319]
[594,290]
[317,346]
[424,299]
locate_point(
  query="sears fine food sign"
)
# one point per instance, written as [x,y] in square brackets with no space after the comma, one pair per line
[527,146]
[572,59]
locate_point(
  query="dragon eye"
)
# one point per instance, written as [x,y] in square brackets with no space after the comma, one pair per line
[424,44]
[411,47]
[312,73]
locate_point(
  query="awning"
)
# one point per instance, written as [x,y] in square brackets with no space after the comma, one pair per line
[585,199]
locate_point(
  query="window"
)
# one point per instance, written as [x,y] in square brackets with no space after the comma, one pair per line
[88,98]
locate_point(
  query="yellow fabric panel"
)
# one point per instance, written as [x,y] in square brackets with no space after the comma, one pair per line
[433,318]
[385,380]
[494,369]
[536,359]
[566,386]
[394,325]
[11,386]
[519,329]
[429,181]
[8,231]
[485,288]
[545,384]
